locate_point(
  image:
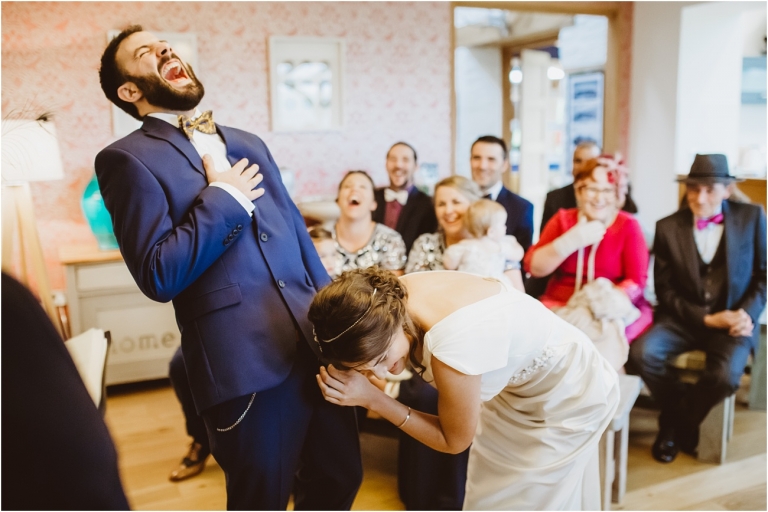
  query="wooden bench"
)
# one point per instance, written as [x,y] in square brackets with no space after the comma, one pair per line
[614,443]
[717,428]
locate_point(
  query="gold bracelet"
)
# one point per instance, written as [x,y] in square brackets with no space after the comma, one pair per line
[406,419]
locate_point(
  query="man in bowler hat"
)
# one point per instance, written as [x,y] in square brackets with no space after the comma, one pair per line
[710,283]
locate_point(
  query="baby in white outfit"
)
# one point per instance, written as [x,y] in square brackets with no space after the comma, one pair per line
[490,252]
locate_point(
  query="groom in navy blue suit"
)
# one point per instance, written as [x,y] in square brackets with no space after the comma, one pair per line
[203,219]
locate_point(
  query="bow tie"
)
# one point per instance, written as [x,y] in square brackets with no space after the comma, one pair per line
[703,223]
[401,196]
[203,123]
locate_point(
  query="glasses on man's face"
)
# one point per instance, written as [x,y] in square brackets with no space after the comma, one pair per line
[595,192]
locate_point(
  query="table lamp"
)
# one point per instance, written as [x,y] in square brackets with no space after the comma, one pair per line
[30,152]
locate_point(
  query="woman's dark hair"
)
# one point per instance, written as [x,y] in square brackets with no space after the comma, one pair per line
[354,325]
[350,173]
[112,77]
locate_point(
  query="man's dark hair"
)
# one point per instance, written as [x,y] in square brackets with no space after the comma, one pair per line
[415,158]
[491,139]
[112,77]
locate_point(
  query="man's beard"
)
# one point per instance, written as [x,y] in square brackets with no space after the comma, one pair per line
[160,94]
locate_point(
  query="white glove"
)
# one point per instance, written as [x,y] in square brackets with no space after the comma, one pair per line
[581,235]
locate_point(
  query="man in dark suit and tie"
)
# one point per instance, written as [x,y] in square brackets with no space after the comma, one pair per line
[203,219]
[710,276]
[488,161]
[401,206]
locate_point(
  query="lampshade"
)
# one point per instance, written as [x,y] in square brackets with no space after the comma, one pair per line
[30,151]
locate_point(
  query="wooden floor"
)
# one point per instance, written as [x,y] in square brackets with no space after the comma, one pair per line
[148,430]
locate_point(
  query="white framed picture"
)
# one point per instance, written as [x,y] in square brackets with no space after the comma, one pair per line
[306,76]
[585,109]
[184,44]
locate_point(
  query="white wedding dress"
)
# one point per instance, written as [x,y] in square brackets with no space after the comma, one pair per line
[547,394]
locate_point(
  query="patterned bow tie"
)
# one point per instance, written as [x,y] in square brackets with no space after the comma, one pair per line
[401,196]
[203,123]
[703,223]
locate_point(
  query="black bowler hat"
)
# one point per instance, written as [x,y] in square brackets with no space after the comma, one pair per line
[709,168]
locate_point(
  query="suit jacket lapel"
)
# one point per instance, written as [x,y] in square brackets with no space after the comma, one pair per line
[407,213]
[265,205]
[732,235]
[688,248]
[159,129]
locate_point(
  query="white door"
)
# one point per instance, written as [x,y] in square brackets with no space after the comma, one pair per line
[534,168]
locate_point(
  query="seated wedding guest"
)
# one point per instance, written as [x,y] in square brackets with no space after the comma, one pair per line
[597,232]
[360,241]
[488,159]
[193,462]
[488,251]
[401,206]
[453,195]
[57,452]
[709,275]
[326,248]
[565,197]
[527,390]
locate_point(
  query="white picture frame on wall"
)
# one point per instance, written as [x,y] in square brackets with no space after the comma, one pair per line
[306,79]
[585,108]
[184,45]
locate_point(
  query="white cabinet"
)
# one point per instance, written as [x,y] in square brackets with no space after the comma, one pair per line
[101,293]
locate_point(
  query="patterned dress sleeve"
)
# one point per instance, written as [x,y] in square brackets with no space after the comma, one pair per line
[426,254]
[392,249]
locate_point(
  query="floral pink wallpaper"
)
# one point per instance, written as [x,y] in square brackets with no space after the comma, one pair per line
[397,85]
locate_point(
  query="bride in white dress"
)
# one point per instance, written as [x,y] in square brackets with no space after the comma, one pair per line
[527,389]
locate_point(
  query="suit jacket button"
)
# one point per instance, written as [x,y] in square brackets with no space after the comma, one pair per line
[264,237]
[226,242]
[239,227]
[281,283]
[230,236]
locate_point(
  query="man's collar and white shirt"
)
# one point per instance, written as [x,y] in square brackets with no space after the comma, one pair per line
[210,144]
[494,191]
[708,238]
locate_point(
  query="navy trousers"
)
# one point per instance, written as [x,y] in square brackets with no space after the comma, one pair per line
[428,479]
[684,406]
[177,373]
[289,440]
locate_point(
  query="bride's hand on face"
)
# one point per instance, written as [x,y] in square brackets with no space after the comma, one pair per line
[345,387]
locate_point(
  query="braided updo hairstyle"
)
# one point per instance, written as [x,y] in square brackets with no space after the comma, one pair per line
[370,320]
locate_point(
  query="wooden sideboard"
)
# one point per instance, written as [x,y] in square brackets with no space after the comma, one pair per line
[102,293]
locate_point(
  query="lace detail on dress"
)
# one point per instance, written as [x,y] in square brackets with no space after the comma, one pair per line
[538,363]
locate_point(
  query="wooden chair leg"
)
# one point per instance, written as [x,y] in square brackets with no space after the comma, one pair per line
[620,478]
[607,467]
[713,433]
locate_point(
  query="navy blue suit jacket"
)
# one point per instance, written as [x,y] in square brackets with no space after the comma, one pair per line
[241,287]
[519,216]
[676,279]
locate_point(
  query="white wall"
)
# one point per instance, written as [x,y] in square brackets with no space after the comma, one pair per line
[478,99]
[709,80]
[685,93]
[653,110]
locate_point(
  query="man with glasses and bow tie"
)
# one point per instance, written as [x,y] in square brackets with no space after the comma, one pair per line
[710,284]
[401,206]
[203,219]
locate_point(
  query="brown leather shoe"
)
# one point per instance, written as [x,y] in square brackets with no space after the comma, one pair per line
[191,465]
